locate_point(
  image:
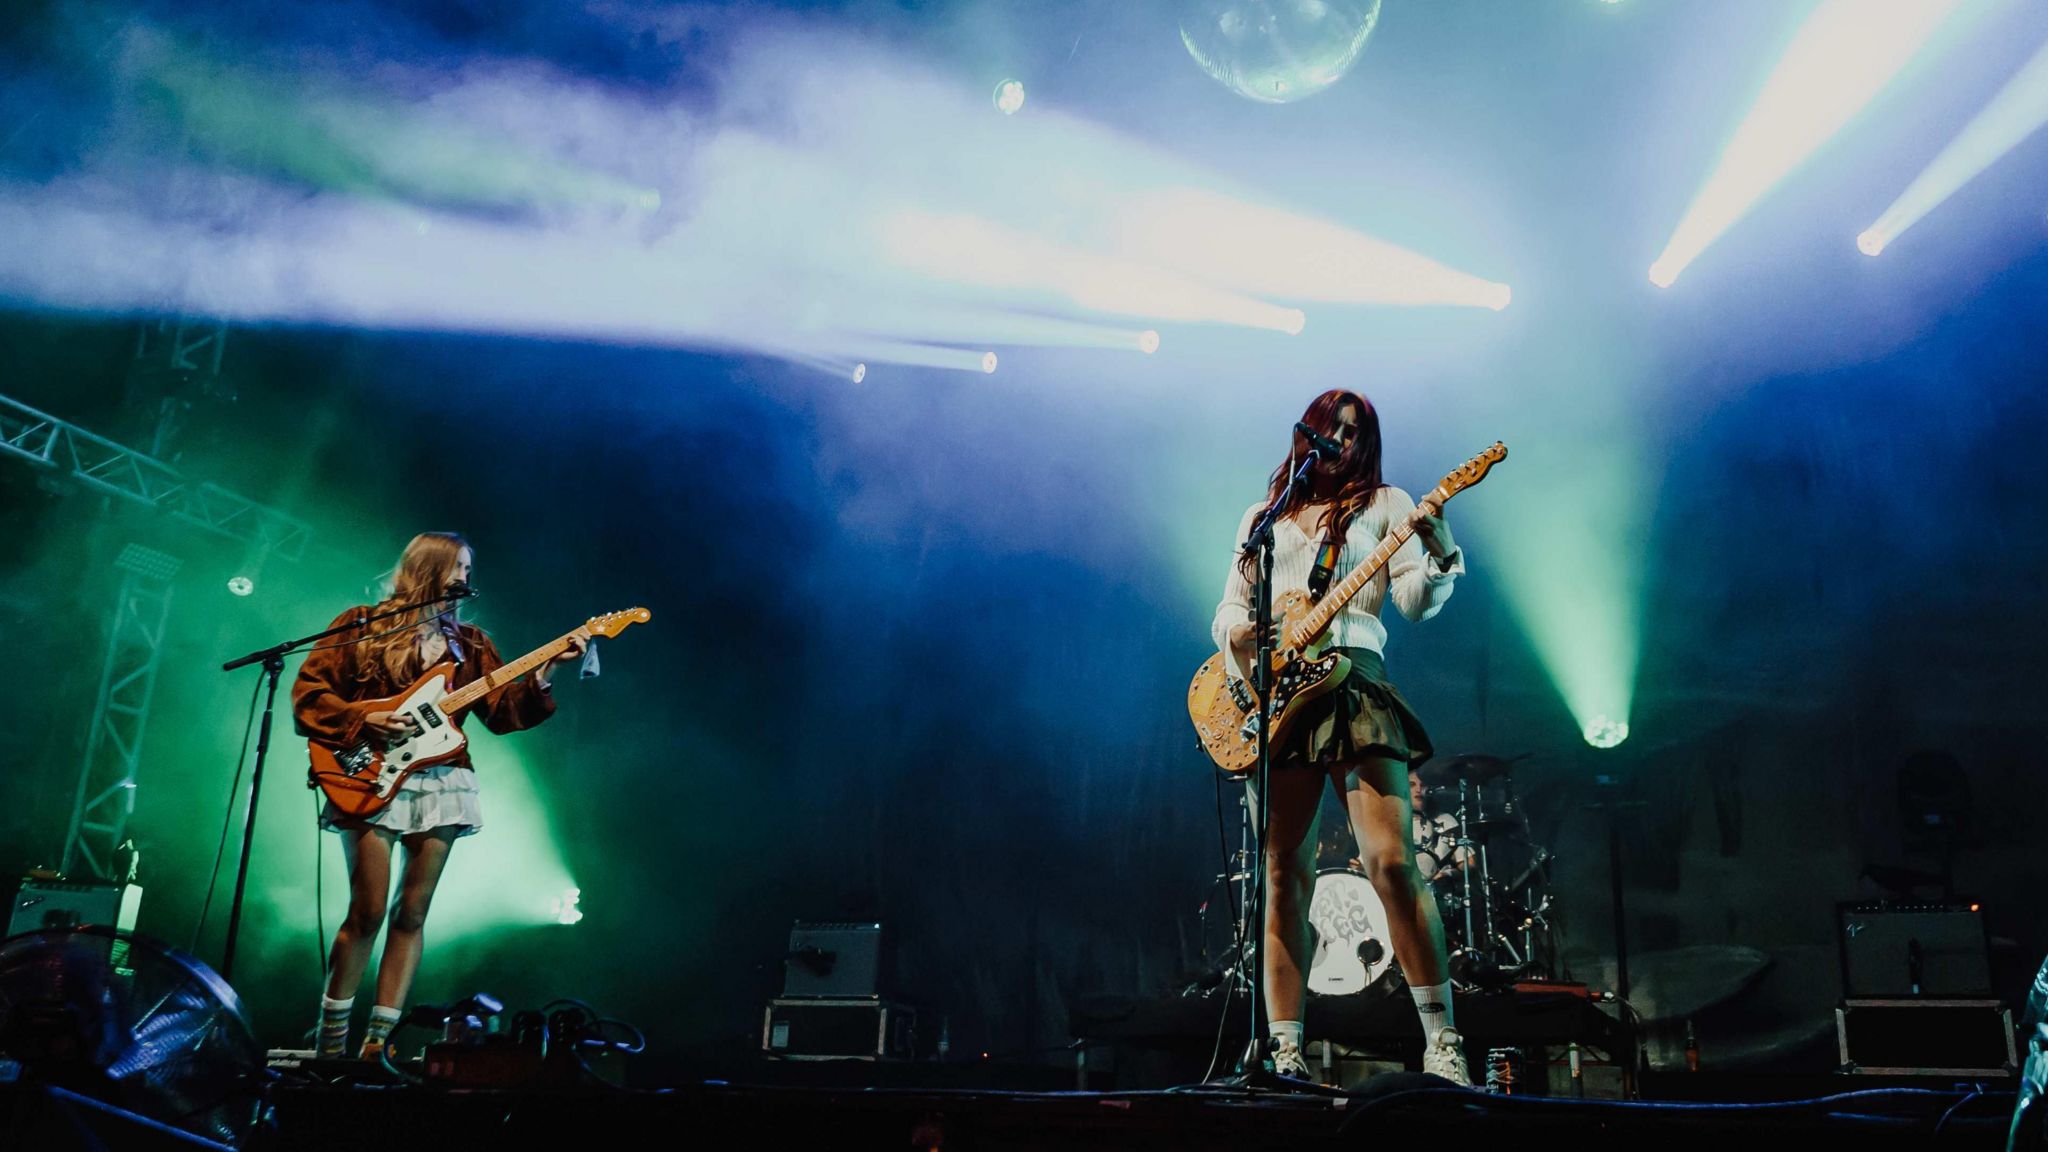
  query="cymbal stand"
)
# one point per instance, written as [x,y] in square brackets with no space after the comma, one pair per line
[1238,975]
[1539,858]
[1460,854]
[1485,875]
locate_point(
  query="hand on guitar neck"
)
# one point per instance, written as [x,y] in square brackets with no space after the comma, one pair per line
[1430,528]
[573,645]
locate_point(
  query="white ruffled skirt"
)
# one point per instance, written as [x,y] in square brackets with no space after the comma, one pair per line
[438,797]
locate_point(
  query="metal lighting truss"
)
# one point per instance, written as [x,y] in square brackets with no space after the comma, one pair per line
[113,750]
[117,470]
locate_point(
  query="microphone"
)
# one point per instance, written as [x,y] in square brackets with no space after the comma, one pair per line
[1321,443]
[458,590]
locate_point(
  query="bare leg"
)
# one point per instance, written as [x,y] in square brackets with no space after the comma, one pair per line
[1375,792]
[1290,879]
[368,853]
[426,854]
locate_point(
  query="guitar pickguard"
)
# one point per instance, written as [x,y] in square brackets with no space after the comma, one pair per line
[1296,676]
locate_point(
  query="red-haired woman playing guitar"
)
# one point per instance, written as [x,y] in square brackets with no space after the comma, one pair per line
[1362,737]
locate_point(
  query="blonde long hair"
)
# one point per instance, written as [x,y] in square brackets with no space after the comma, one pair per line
[424,569]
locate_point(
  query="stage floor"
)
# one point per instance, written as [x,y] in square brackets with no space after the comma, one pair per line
[752,1110]
[1400,1106]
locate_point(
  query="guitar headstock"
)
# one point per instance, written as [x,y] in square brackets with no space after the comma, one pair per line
[612,623]
[1473,471]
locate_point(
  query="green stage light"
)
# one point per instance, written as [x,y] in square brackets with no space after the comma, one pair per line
[512,873]
[1602,732]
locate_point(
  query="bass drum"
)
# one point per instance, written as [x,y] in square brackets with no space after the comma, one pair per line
[1353,950]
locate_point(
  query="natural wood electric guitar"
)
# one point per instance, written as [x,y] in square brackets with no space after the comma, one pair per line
[362,777]
[1225,709]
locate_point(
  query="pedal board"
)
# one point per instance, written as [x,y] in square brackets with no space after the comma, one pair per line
[307,1064]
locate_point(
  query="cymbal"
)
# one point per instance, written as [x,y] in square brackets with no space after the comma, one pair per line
[1487,825]
[1474,769]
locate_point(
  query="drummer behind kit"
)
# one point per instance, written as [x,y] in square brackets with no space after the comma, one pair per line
[1474,848]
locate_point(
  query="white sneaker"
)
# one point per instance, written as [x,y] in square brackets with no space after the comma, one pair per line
[1289,1062]
[1446,1058]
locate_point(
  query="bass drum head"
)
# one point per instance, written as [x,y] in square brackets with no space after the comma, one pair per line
[1353,949]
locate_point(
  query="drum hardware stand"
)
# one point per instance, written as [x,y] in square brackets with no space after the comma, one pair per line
[1490,949]
[1234,976]
[1532,918]
[1459,855]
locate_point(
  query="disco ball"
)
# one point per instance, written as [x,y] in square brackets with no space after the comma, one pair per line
[1277,51]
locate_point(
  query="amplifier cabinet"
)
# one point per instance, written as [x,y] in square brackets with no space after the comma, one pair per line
[64,904]
[1892,950]
[837,961]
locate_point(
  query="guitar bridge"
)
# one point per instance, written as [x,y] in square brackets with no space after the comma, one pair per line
[1241,695]
[356,760]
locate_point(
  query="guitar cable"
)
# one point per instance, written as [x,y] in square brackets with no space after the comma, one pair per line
[1237,932]
[227,820]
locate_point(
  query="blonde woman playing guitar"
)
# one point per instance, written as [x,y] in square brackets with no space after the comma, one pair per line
[1361,736]
[340,700]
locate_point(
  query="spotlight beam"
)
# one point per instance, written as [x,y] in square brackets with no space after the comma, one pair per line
[874,351]
[963,249]
[2018,111]
[1843,55]
[936,322]
[1267,251]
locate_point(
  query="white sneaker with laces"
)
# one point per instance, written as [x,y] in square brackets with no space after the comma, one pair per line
[1288,1061]
[1446,1058]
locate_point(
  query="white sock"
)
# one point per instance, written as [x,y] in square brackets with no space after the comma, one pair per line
[1286,1033]
[334,1016]
[383,1019]
[1433,1004]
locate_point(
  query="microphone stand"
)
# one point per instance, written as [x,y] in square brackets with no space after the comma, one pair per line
[1613,805]
[1251,1069]
[272,659]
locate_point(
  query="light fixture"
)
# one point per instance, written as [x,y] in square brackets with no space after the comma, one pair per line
[1602,732]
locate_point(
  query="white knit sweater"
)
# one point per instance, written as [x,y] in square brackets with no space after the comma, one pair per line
[1420,582]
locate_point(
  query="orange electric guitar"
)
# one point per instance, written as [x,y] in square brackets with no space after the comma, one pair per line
[1224,708]
[362,777]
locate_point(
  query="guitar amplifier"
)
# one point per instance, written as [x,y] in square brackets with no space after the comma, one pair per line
[836,961]
[1892,951]
[64,904]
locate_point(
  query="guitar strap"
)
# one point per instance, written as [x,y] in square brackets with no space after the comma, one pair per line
[453,636]
[1326,568]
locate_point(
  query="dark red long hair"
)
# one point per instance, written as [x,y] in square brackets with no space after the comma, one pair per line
[1345,490]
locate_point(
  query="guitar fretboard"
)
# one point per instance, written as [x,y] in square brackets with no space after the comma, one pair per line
[483,686]
[1309,627]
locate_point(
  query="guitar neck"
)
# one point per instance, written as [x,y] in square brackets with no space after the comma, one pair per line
[483,686]
[1319,618]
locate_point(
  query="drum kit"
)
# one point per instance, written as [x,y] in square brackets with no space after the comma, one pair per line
[1476,852]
